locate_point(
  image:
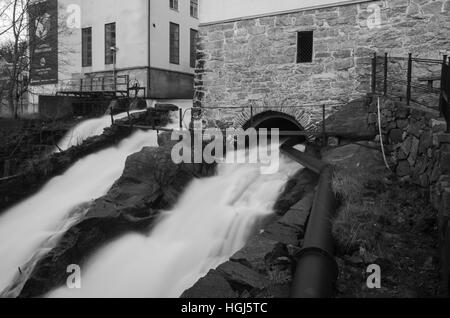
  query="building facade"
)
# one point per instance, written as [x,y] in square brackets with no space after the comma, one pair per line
[151,42]
[293,53]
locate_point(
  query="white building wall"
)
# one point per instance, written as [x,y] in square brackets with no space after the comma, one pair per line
[161,16]
[219,10]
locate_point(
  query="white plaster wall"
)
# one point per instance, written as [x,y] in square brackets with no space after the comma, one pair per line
[161,16]
[218,10]
[130,17]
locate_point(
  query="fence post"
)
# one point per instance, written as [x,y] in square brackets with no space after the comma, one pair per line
[441,97]
[81,85]
[181,119]
[386,61]
[408,89]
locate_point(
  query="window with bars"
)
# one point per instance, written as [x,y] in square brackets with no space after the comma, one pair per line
[174,43]
[194,38]
[194,8]
[110,43]
[305,47]
[86,47]
[174,4]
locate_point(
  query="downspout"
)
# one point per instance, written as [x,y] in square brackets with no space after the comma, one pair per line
[149,35]
[317,270]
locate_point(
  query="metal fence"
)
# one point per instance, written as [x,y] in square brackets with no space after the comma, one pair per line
[444,102]
[414,80]
[100,84]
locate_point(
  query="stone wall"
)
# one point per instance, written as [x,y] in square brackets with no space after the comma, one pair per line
[418,150]
[255,59]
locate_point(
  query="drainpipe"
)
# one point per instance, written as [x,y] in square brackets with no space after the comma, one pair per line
[149,37]
[317,270]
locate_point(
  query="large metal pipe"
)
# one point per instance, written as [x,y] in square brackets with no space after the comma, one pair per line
[305,160]
[317,270]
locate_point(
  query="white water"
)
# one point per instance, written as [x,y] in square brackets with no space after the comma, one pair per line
[87,129]
[211,222]
[27,228]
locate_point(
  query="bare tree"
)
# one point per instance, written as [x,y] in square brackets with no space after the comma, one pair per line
[24,34]
[14,50]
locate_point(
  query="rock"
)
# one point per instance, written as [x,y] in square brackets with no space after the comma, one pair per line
[403,168]
[296,188]
[167,107]
[255,253]
[283,233]
[241,276]
[150,182]
[414,129]
[298,215]
[396,136]
[353,156]
[426,141]
[211,286]
[413,151]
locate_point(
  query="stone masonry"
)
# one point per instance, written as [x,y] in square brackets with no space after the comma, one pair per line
[418,149]
[253,61]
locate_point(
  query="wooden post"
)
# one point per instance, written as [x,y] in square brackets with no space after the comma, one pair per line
[374,73]
[386,61]
[409,80]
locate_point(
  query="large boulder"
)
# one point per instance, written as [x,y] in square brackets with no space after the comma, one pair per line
[151,182]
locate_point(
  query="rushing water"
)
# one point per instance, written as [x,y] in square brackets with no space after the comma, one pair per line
[86,129]
[211,222]
[31,226]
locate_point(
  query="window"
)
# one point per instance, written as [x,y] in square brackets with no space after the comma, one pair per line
[86,47]
[305,47]
[174,43]
[194,37]
[174,4]
[194,8]
[110,43]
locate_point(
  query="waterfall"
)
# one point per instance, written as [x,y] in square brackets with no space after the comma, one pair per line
[212,221]
[87,129]
[31,227]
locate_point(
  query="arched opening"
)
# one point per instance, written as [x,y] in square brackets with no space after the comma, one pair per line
[272,119]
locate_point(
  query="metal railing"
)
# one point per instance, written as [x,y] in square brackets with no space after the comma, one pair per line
[415,80]
[100,84]
[444,102]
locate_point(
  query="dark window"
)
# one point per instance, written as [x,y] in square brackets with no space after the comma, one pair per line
[110,43]
[194,37]
[86,44]
[174,4]
[305,47]
[174,43]
[194,8]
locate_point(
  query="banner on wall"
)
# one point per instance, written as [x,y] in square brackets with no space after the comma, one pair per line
[43,17]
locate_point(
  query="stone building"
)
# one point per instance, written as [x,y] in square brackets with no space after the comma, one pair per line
[294,53]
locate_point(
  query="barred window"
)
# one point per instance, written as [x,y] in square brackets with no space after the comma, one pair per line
[86,47]
[194,38]
[110,43]
[194,8]
[174,4]
[174,43]
[305,47]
